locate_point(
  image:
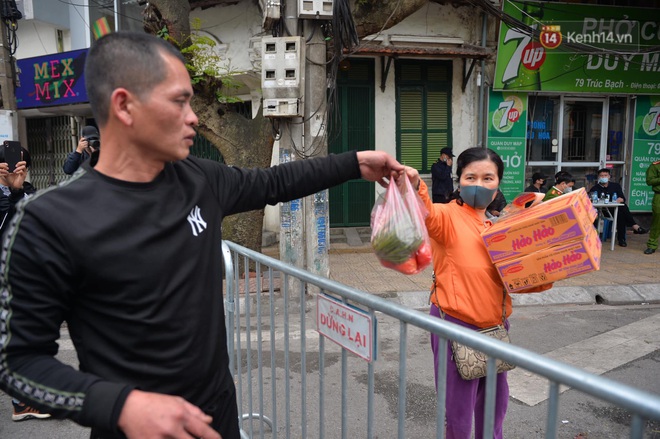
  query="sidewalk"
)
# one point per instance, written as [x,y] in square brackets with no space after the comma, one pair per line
[626,275]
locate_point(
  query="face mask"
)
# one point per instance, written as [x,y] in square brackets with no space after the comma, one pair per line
[477,197]
[568,189]
[603,180]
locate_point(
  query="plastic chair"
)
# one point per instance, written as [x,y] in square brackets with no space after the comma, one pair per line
[606,231]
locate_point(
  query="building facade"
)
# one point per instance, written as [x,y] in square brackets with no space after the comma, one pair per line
[441,77]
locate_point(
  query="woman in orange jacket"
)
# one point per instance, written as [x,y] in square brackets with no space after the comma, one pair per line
[467,287]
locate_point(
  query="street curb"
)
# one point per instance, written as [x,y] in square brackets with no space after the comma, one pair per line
[617,295]
[599,294]
[650,293]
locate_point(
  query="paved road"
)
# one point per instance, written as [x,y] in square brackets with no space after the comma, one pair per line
[619,342]
[617,338]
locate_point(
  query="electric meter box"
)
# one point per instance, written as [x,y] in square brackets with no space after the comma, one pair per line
[319,9]
[283,76]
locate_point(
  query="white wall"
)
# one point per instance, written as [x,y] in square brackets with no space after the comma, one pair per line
[234,26]
[35,39]
[440,21]
[52,12]
[431,20]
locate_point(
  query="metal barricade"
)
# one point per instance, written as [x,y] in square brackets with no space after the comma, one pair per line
[266,323]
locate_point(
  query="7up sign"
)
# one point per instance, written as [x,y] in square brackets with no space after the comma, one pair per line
[507,114]
[651,122]
[521,71]
[551,52]
[646,150]
[507,129]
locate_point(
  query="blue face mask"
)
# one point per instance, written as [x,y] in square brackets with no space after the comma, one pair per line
[603,180]
[477,197]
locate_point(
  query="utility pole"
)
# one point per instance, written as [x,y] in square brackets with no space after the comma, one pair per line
[305,234]
[292,249]
[7,71]
[317,221]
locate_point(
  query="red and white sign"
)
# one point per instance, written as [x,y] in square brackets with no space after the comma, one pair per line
[349,327]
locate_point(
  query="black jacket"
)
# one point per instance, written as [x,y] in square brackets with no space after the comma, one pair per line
[134,269]
[532,188]
[442,184]
[8,204]
[73,161]
[611,189]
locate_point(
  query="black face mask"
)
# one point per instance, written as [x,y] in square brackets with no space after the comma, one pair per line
[477,197]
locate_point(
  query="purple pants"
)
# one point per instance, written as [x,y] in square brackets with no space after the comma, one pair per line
[466,399]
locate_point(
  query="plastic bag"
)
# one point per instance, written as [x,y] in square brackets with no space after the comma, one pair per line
[398,231]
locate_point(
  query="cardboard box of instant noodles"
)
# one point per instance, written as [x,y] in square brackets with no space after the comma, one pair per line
[552,263]
[563,219]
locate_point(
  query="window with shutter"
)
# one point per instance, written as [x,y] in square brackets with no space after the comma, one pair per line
[423,90]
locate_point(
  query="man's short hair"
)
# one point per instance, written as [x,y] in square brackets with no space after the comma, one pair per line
[131,60]
[563,177]
[605,171]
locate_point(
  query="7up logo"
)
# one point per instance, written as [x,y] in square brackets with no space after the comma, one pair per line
[533,55]
[651,122]
[528,54]
[507,113]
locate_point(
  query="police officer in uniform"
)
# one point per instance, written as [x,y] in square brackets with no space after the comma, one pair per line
[653,180]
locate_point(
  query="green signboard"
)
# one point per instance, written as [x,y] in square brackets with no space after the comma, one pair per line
[507,129]
[646,150]
[579,48]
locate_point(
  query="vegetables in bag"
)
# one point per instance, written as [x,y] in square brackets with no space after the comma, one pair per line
[398,232]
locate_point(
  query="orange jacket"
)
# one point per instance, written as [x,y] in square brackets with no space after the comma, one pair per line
[467,284]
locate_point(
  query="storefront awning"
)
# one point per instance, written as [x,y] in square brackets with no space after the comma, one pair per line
[458,51]
[393,46]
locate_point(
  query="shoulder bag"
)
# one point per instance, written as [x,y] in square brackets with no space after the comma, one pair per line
[471,363]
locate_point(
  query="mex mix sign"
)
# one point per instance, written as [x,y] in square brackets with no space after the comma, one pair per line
[579,48]
[55,79]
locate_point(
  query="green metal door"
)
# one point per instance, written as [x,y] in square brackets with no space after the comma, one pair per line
[352,128]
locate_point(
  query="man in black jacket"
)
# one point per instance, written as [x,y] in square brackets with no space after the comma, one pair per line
[442,184]
[138,283]
[88,146]
[624,218]
[538,181]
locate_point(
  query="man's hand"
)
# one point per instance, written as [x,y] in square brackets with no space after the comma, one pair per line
[155,416]
[83,144]
[13,180]
[378,165]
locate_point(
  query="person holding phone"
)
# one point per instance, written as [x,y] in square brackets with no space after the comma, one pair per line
[12,177]
[14,188]
[12,153]
[87,148]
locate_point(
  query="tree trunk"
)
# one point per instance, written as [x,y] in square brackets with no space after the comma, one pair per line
[372,16]
[246,143]
[243,142]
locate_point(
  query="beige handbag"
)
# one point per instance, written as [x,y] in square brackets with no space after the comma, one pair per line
[471,363]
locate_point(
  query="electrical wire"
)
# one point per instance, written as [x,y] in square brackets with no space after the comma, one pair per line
[524,28]
[11,26]
[373,41]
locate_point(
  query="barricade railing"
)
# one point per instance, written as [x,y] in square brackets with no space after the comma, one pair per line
[263,323]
